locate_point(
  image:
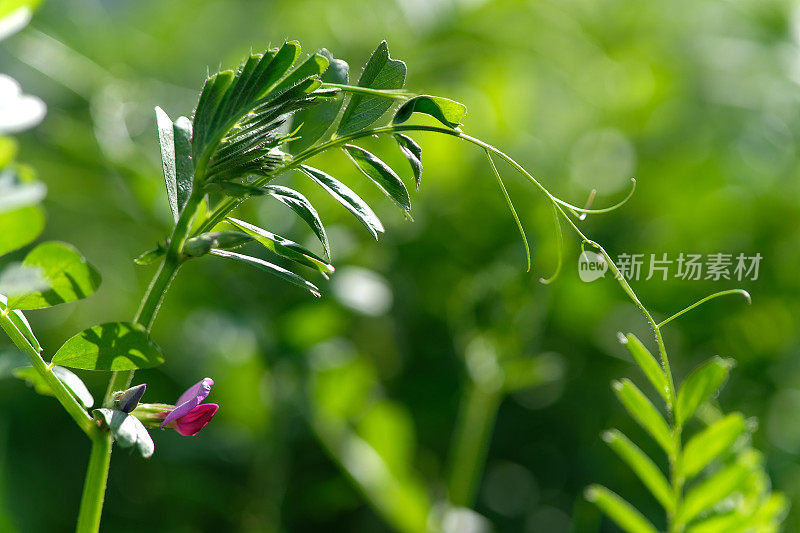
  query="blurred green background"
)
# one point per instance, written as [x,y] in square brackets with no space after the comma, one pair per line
[434,367]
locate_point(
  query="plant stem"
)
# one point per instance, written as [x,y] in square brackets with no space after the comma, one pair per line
[64,397]
[154,296]
[94,488]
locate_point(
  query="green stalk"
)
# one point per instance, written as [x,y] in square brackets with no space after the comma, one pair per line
[94,488]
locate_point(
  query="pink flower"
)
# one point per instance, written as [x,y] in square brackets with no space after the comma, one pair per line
[190,414]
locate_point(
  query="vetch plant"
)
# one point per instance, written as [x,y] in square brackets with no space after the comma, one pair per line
[273,115]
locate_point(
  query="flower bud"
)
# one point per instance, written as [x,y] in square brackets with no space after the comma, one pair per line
[126,401]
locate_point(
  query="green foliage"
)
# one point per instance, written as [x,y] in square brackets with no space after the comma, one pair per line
[700,385]
[381,174]
[69,275]
[727,486]
[381,72]
[317,120]
[345,196]
[711,442]
[622,512]
[176,159]
[643,411]
[446,111]
[20,227]
[651,368]
[300,205]
[644,467]
[110,346]
[413,153]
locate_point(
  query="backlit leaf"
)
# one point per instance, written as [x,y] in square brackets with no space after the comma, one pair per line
[643,412]
[446,111]
[20,227]
[700,385]
[716,488]
[380,72]
[642,466]
[710,443]
[651,368]
[70,276]
[620,511]
[111,346]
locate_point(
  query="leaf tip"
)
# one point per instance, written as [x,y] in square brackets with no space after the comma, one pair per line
[609,435]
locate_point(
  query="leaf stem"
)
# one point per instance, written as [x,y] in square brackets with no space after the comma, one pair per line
[740,292]
[394,94]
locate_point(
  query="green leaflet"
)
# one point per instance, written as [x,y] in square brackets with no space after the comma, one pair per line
[380,72]
[111,346]
[620,511]
[276,270]
[710,443]
[448,112]
[284,247]
[643,412]
[345,196]
[413,153]
[381,174]
[300,205]
[203,126]
[20,227]
[18,280]
[318,119]
[73,383]
[642,466]
[70,276]
[128,431]
[176,159]
[651,368]
[716,488]
[700,385]
[227,96]
[312,67]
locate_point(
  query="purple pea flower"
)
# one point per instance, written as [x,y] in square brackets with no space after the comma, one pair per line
[190,414]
